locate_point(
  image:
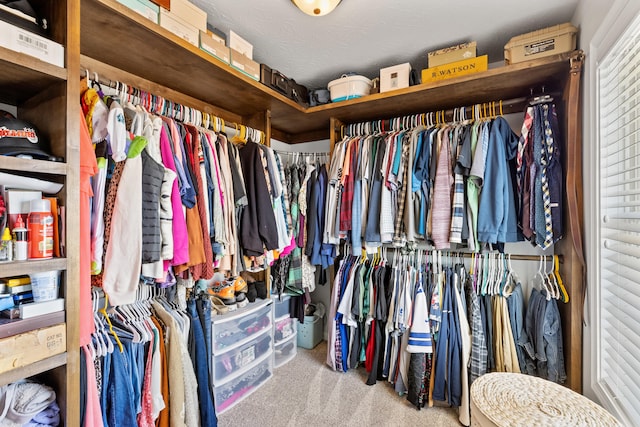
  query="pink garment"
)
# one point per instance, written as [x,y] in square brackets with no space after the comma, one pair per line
[93,412]
[180,237]
[289,248]
[145,417]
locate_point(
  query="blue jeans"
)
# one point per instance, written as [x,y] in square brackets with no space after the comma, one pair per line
[553,343]
[200,359]
[118,393]
[515,304]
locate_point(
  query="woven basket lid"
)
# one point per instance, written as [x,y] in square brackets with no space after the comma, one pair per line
[509,399]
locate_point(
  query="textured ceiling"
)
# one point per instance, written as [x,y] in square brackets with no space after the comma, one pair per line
[363,36]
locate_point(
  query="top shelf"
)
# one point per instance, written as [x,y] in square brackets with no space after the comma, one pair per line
[193,72]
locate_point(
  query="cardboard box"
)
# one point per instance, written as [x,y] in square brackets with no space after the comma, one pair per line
[217,34]
[180,28]
[214,47]
[451,54]
[190,13]
[538,44]
[241,45]
[242,63]
[455,69]
[396,77]
[145,8]
[23,41]
[17,202]
[21,350]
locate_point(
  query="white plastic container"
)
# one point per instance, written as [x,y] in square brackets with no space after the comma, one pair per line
[349,87]
[45,285]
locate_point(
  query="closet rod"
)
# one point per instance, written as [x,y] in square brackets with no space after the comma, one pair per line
[100,69]
[487,109]
[513,257]
[301,153]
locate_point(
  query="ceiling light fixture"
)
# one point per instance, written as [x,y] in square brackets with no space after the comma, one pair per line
[316,7]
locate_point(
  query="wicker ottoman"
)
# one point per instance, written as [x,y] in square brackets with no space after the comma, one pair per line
[505,399]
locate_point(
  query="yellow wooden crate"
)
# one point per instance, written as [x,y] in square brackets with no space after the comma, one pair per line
[455,69]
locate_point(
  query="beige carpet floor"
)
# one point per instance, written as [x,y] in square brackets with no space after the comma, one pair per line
[306,392]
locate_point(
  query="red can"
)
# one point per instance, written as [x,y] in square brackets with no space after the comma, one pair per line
[40,229]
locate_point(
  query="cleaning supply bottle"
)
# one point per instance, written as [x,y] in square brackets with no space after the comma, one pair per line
[40,226]
[6,246]
[20,245]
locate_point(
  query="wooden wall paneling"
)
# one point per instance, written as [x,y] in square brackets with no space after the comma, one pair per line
[72,289]
[335,133]
[47,111]
[260,121]
[573,270]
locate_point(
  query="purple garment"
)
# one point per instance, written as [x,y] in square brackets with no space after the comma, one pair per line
[50,416]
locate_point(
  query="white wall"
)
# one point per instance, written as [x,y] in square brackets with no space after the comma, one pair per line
[598,21]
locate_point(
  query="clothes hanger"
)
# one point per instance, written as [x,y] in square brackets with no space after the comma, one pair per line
[103,311]
[556,273]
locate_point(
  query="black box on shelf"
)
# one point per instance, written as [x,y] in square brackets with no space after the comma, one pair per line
[286,86]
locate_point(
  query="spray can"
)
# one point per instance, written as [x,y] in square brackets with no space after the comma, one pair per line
[20,245]
[40,229]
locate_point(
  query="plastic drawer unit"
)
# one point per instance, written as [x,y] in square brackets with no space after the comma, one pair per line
[285,351]
[227,364]
[243,383]
[238,327]
[280,306]
[283,328]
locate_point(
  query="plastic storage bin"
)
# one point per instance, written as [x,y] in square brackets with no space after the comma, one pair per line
[285,351]
[280,306]
[538,44]
[349,87]
[284,328]
[310,332]
[231,362]
[235,390]
[240,326]
[45,285]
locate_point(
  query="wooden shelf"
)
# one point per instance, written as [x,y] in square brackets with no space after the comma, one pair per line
[33,369]
[32,165]
[20,268]
[22,76]
[151,52]
[195,73]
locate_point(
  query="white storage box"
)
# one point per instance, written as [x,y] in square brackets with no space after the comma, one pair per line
[396,77]
[23,41]
[240,326]
[285,351]
[229,363]
[241,45]
[190,13]
[538,44]
[349,87]
[149,10]
[237,389]
[179,27]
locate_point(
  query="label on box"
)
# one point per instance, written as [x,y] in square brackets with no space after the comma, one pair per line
[179,27]
[23,41]
[455,69]
[539,47]
[247,356]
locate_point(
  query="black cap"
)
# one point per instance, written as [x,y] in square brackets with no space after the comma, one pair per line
[19,138]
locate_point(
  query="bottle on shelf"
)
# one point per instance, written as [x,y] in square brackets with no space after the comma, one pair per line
[40,226]
[6,246]
[20,245]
